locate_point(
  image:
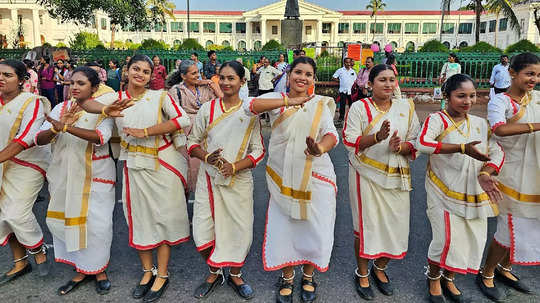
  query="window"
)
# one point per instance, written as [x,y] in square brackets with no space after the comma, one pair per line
[492,26]
[177,27]
[103,23]
[429,28]
[226,43]
[177,42]
[465,28]
[326,28]
[411,28]
[257,45]
[522,25]
[359,28]
[448,28]
[129,41]
[446,44]
[483,27]
[225,27]
[209,27]
[240,29]
[343,28]
[308,30]
[158,27]
[379,28]
[208,43]
[394,28]
[92,21]
[194,27]
[503,24]
[274,30]
[256,28]
[394,44]
[241,44]
[410,46]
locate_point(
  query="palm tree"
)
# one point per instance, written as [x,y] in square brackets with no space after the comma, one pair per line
[492,6]
[157,9]
[375,6]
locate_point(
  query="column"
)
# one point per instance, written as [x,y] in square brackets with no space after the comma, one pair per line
[35,27]
[263,31]
[319,31]
[334,39]
[248,34]
[14,18]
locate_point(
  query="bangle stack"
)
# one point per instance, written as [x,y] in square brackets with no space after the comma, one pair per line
[399,149]
[54,131]
[233,168]
[286,101]
[462,148]
[375,138]
[531,127]
[206,158]
[146,132]
[484,173]
[103,111]
[65,128]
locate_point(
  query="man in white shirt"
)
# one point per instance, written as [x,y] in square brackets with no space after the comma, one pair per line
[267,73]
[500,77]
[346,77]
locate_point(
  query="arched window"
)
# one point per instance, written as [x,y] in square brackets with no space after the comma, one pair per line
[463,44]
[394,44]
[447,44]
[341,44]
[324,43]
[226,43]
[377,42]
[209,42]
[257,45]
[241,46]
[410,47]
[177,42]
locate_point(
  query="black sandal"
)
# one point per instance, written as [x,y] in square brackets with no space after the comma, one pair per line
[433,298]
[153,296]
[43,268]
[243,290]
[365,292]
[206,288]
[8,278]
[446,291]
[103,286]
[386,288]
[517,284]
[140,290]
[71,285]
[308,296]
[285,283]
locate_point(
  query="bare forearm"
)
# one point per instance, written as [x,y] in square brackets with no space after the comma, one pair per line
[512,129]
[92,106]
[85,134]
[243,164]
[198,153]
[264,105]
[45,137]
[162,128]
[327,143]
[10,151]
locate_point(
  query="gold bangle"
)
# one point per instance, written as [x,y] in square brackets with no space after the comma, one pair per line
[399,149]
[484,173]
[233,168]
[206,158]
[54,130]
[65,128]
[103,111]
[462,148]
[375,138]
[286,101]
[531,127]
[146,132]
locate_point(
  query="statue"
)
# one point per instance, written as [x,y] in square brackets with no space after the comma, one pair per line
[291,10]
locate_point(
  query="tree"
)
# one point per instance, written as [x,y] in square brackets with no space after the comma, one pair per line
[522,46]
[154,44]
[272,45]
[537,17]
[433,46]
[85,40]
[375,6]
[504,6]
[191,44]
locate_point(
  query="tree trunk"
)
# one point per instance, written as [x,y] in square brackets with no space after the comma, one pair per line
[374,28]
[537,19]
[113,29]
[478,12]
[497,20]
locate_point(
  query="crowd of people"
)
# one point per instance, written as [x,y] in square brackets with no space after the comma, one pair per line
[185,134]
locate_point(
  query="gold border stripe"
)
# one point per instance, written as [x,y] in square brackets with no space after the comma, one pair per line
[139,148]
[287,191]
[455,195]
[514,194]
[284,116]
[389,170]
[67,221]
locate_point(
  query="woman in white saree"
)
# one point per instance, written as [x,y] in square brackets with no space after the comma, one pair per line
[301,180]
[229,144]
[82,179]
[514,117]
[22,170]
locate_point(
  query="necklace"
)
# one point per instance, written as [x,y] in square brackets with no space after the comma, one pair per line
[457,128]
[231,108]
[139,97]
[377,108]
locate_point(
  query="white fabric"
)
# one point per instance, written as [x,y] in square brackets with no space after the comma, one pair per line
[452,179]
[500,77]
[346,79]
[22,177]
[450,69]
[501,108]
[521,236]
[266,74]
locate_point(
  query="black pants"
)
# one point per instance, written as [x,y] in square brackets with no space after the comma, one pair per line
[344,100]
[500,90]
[59,93]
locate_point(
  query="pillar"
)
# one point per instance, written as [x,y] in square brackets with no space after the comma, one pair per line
[35,27]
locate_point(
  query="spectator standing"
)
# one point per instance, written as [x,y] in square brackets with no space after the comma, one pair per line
[195,58]
[211,66]
[31,84]
[244,90]
[391,60]
[101,71]
[363,78]
[450,68]
[281,64]
[59,70]
[159,75]
[70,66]
[113,75]
[46,80]
[500,77]
[266,73]
[258,65]
[124,73]
[281,81]
[346,77]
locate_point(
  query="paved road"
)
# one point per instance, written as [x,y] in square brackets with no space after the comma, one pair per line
[187,269]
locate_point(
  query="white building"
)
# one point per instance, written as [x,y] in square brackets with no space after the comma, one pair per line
[252,29]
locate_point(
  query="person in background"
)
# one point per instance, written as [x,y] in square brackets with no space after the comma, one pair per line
[258,65]
[124,73]
[195,58]
[244,90]
[346,77]
[113,75]
[450,68]
[159,75]
[70,66]
[281,80]
[211,66]
[101,72]
[31,84]
[281,64]
[95,66]
[267,73]
[500,77]
[363,78]
[391,60]
[46,80]
[59,79]
[215,78]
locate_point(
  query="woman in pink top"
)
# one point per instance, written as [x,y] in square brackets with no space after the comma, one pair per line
[31,84]
[46,82]
[159,75]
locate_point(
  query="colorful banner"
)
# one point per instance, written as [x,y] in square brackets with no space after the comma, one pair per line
[310,52]
[354,51]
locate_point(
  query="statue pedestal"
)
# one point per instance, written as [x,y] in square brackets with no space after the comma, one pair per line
[291,33]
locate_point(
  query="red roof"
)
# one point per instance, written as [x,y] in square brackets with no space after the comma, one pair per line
[400,13]
[218,13]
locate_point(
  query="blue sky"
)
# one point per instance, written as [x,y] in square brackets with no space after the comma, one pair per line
[331,4]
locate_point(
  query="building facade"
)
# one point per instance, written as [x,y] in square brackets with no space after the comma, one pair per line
[252,29]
